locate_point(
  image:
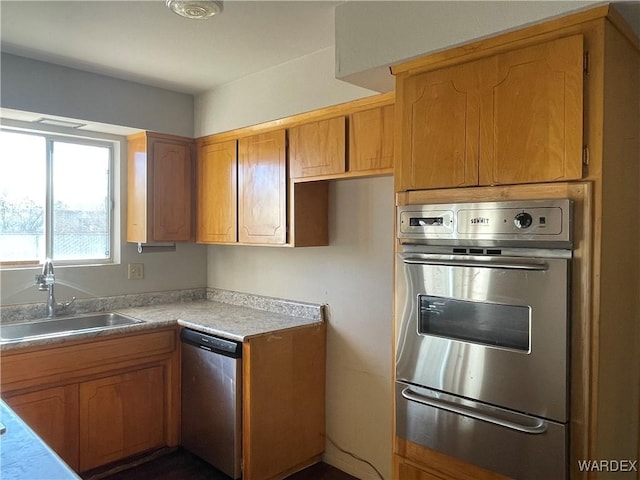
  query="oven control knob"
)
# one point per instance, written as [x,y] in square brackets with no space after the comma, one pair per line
[523,220]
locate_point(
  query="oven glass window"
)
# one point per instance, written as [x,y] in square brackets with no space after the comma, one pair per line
[492,324]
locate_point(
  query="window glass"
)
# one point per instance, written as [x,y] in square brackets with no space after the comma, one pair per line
[55,198]
[22,197]
[80,198]
[490,324]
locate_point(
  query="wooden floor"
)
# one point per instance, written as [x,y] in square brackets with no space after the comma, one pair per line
[182,465]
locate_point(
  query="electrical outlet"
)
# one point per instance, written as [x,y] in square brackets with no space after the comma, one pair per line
[135,271]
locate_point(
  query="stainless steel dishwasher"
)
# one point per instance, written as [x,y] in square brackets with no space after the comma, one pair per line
[212,400]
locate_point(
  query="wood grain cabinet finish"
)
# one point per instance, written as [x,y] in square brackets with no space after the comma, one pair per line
[284,402]
[539,70]
[160,188]
[318,148]
[121,415]
[371,139]
[51,413]
[262,188]
[94,402]
[217,193]
[510,118]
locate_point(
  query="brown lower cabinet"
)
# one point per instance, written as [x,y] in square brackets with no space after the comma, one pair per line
[97,401]
[119,416]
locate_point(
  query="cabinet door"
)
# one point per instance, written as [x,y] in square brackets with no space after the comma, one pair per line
[262,188]
[317,148]
[121,415]
[439,125]
[53,415]
[371,139]
[531,125]
[217,197]
[172,174]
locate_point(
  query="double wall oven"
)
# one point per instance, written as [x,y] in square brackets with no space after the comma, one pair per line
[482,333]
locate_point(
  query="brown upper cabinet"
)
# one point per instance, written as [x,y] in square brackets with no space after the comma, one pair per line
[160,186]
[217,192]
[262,188]
[318,148]
[371,139]
[510,118]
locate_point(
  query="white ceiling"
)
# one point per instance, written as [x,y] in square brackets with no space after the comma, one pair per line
[143,41]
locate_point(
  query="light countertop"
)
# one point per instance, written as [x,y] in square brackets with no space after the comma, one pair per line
[23,455]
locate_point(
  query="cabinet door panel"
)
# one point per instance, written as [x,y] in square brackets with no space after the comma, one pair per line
[53,415]
[172,185]
[262,188]
[317,148]
[371,139]
[121,415]
[532,114]
[440,120]
[217,199]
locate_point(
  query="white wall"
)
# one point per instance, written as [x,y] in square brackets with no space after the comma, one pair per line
[353,275]
[304,84]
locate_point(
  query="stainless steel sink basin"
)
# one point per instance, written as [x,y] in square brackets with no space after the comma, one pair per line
[51,327]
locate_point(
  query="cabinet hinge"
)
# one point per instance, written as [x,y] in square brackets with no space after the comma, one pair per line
[585,155]
[585,62]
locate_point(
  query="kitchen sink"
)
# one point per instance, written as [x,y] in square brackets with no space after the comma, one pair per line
[51,327]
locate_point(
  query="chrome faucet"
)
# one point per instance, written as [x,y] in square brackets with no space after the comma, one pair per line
[46,282]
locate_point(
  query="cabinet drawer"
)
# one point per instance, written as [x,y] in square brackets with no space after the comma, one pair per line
[22,370]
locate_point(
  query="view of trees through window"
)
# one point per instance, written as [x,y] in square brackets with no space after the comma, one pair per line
[55,198]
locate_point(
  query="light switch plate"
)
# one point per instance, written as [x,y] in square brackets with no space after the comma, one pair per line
[135,271]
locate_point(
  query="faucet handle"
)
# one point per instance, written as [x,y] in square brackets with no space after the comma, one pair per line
[68,303]
[64,306]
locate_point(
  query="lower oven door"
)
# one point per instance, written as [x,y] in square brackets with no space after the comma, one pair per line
[516,445]
[489,328]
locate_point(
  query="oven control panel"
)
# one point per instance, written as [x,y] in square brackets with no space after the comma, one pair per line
[515,222]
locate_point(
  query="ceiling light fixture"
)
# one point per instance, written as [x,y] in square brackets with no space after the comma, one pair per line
[197,9]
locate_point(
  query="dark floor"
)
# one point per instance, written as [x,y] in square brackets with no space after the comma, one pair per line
[179,464]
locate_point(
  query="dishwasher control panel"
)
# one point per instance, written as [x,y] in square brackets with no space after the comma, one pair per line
[212,343]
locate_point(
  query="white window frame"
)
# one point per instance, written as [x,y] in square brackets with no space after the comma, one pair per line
[85,139]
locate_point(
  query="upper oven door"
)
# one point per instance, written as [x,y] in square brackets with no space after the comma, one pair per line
[493,329]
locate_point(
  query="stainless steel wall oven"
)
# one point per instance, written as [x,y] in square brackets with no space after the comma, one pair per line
[482,333]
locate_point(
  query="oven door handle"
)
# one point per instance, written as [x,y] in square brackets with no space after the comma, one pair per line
[521,265]
[540,427]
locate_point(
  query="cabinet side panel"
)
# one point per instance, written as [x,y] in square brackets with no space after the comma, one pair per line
[284,406]
[618,387]
[137,189]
